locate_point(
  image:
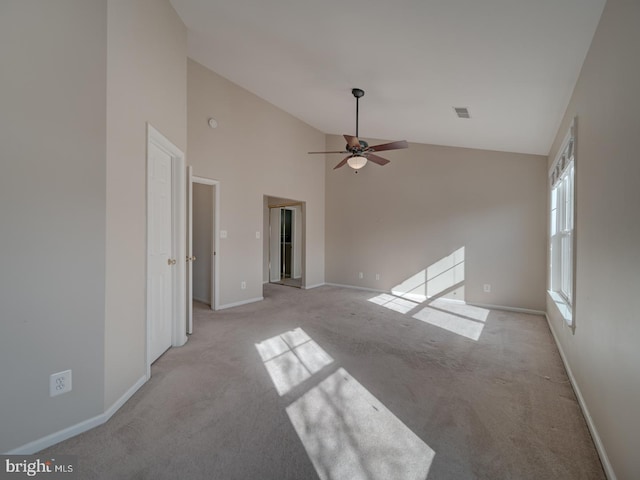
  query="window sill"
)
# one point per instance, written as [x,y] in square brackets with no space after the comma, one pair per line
[563,307]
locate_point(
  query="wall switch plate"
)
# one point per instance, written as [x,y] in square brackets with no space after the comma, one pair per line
[243,285]
[59,383]
[360,275]
[258,235]
[487,288]
[223,234]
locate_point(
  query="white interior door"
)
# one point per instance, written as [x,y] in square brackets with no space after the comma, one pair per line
[160,261]
[190,257]
[274,244]
[296,238]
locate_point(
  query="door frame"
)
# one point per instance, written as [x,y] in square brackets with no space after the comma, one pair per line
[301,204]
[294,218]
[178,240]
[215,304]
[275,272]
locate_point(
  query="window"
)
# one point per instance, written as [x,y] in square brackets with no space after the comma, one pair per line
[562,238]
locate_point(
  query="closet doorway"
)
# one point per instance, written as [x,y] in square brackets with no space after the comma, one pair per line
[286,241]
[202,244]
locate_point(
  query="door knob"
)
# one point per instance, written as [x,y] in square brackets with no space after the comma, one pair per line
[171,261]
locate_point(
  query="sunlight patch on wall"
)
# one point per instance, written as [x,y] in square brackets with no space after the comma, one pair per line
[458,318]
[291,358]
[349,435]
[396,304]
[445,275]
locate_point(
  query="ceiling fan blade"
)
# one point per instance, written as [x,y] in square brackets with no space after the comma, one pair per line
[376,159]
[342,163]
[341,151]
[352,141]
[389,146]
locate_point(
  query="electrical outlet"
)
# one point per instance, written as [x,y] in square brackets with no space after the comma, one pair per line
[360,275]
[223,234]
[487,288]
[377,276]
[243,285]
[60,383]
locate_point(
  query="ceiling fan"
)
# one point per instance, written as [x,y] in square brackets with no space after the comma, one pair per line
[359,151]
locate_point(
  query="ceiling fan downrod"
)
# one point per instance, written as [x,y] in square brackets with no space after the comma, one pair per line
[357,92]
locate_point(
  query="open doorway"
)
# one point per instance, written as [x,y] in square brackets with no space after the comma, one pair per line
[203,251]
[284,234]
[202,258]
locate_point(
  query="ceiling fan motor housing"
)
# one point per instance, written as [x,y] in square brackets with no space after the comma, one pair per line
[363,146]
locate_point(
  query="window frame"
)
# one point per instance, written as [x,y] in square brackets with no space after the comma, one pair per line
[562,237]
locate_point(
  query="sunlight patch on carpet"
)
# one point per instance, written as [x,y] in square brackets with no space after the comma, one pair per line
[291,358]
[458,318]
[391,302]
[349,435]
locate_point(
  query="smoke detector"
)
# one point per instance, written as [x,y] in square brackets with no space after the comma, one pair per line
[462,112]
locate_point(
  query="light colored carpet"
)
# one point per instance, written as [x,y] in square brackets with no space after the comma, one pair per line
[342,384]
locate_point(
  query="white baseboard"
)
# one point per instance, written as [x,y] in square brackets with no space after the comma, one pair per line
[355,287]
[202,300]
[309,287]
[606,464]
[422,299]
[241,302]
[411,296]
[125,397]
[507,309]
[66,433]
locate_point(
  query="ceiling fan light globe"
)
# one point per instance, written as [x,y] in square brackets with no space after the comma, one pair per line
[357,162]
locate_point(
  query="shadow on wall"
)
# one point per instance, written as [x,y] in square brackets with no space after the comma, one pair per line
[347,433]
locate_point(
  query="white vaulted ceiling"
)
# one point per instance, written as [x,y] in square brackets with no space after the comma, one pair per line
[512,63]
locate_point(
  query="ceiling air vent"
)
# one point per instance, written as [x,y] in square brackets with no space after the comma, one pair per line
[462,112]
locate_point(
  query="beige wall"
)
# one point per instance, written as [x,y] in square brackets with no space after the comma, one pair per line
[52,213]
[203,209]
[147,51]
[604,352]
[431,201]
[256,150]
